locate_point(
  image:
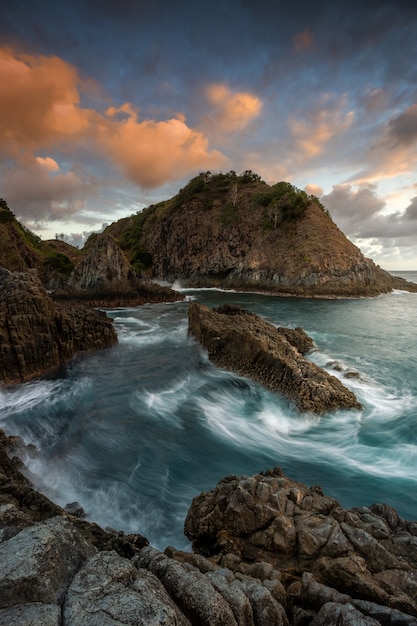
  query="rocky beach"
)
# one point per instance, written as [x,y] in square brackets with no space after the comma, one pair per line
[267,550]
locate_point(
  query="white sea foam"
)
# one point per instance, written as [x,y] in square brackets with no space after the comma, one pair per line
[25,396]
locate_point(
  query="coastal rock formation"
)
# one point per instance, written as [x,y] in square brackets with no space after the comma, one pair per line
[36,334]
[269,551]
[105,277]
[362,558]
[238,232]
[244,343]
[103,269]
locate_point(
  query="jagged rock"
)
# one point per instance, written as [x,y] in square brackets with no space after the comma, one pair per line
[244,343]
[109,590]
[342,615]
[105,277]
[190,590]
[36,335]
[74,508]
[269,517]
[103,269]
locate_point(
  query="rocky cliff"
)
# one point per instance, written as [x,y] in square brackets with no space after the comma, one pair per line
[269,551]
[238,232]
[105,277]
[38,335]
[241,341]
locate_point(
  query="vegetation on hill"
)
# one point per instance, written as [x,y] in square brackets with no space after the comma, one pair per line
[21,249]
[225,196]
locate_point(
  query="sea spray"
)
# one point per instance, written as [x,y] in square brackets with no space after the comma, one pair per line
[134,432]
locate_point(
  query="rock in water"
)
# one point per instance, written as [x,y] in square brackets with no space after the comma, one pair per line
[244,343]
[37,335]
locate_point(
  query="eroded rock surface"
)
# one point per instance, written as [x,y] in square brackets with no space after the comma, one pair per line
[37,335]
[275,553]
[105,277]
[241,341]
[368,554]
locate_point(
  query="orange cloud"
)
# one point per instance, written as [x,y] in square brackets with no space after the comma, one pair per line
[39,102]
[49,164]
[314,190]
[232,111]
[151,152]
[394,152]
[311,135]
[40,109]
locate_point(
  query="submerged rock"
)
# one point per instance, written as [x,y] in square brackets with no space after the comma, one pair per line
[242,342]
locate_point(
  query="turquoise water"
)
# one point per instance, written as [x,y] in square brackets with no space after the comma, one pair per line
[135,431]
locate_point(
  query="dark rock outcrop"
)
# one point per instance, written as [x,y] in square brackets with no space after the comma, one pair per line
[275,553]
[103,269]
[244,343]
[105,277]
[37,335]
[364,557]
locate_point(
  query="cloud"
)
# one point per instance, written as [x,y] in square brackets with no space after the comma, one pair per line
[150,152]
[39,102]
[232,110]
[314,190]
[411,211]
[392,152]
[316,129]
[38,190]
[361,213]
[40,108]
[403,128]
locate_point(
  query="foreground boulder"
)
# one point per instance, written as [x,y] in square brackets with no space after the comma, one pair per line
[274,553]
[366,557]
[37,335]
[242,342]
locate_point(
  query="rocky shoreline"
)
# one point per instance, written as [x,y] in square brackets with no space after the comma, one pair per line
[267,551]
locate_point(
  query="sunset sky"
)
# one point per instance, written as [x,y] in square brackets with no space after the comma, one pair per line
[108,106]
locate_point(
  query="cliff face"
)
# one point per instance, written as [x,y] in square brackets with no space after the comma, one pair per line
[104,268]
[105,277]
[37,335]
[236,231]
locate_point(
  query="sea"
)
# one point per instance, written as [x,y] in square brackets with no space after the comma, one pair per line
[135,431]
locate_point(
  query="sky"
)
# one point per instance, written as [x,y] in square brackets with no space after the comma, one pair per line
[107,107]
